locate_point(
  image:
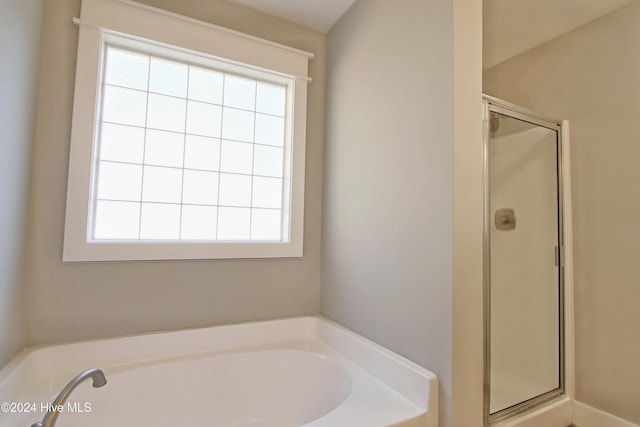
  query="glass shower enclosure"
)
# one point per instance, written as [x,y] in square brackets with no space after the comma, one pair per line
[523,271]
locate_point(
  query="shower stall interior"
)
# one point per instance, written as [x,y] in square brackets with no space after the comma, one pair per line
[523,261]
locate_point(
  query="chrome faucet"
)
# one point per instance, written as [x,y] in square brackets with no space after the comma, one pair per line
[49,419]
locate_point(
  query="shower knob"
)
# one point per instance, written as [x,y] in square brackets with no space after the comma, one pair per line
[505,219]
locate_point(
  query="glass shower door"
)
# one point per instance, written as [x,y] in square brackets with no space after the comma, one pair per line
[523,269]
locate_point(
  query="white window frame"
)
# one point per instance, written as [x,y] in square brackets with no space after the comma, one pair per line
[102,21]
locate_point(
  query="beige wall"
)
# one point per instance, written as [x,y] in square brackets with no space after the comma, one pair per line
[468,296]
[591,76]
[20,30]
[387,231]
[88,300]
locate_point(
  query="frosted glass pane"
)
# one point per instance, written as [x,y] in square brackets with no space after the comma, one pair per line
[164,148]
[202,153]
[268,161]
[188,153]
[119,181]
[236,157]
[124,106]
[237,125]
[116,220]
[235,190]
[129,69]
[267,192]
[166,113]
[205,85]
[270,99]
[199,222]
[269,130]
[204,119]
[168,77]
[160,221]
[121,143]
[266,224]
[162,184]
[234,223]
[200,188]
[239,92]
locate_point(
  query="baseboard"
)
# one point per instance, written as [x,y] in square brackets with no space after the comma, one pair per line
[554,414]
[588,416]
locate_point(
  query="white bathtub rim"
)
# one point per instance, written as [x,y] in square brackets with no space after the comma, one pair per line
[304,327]
[413,382]
[354,346]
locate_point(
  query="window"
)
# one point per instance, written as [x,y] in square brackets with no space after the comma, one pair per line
[187,153]
[179,149]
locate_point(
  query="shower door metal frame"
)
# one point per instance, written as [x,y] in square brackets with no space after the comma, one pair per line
[496,105]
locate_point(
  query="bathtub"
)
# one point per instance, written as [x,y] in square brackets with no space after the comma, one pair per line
[295,372]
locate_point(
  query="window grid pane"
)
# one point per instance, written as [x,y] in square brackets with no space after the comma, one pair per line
[202,150]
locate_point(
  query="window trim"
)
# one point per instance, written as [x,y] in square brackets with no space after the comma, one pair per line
[101,20]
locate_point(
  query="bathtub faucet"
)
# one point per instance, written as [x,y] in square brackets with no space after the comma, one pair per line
[49,419]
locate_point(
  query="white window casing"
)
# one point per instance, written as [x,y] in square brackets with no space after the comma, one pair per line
[132,26]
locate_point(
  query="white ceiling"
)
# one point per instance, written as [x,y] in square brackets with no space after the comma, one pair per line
[515,26]
[511,27]
[317,14]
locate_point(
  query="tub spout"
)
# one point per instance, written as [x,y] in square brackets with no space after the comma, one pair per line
[49,419]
